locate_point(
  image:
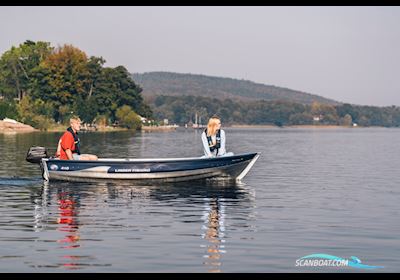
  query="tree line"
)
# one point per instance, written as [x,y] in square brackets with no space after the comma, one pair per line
[182,110]
[41,85]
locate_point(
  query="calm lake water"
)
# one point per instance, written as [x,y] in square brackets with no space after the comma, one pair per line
[328,191]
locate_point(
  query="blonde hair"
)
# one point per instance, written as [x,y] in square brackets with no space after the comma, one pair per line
[212,125]
[74,119]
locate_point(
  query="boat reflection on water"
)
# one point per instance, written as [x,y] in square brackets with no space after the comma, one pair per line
[67,206]
[68,221]
[68,211]
[214,234]
[99,202]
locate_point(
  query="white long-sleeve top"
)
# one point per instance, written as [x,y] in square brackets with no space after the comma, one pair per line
[221,150]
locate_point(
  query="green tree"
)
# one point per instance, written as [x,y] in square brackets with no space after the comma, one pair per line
[346,120]
[128,118]
[301,118]
[345,109]
[7,110]
[66,74]
[36,113]
[86,109]
[18,66]
[115,88]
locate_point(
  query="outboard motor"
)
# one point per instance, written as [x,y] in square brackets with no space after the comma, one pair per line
[35,154]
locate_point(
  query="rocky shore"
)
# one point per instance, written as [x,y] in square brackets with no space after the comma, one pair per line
[12,126]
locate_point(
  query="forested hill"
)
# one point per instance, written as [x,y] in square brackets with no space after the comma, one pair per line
[44,86]
[176,84]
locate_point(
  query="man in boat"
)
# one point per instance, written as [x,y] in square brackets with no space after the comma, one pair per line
[213,138]
[69,143]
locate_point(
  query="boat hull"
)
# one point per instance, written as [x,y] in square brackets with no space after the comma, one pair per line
[165,170]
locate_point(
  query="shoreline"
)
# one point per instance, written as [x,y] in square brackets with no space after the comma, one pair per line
[22,128]
[159,128]
[102,129]
[11,128]
[290,126]
[307,126]
[114,129]
[321,126]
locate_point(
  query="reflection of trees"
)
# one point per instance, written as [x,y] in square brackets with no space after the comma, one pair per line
[214,235]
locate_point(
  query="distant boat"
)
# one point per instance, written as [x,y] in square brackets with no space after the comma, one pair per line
[198,125]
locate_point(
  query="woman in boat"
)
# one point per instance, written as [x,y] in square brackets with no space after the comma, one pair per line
[213,138]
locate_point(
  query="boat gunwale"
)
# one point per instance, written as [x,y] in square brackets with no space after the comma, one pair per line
[140,160]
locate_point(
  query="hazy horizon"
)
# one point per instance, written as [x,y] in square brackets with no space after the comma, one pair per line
[349,54]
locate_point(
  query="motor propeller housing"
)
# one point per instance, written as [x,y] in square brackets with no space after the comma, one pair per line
[35,154]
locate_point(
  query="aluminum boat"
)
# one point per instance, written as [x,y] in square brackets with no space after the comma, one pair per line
[152,169]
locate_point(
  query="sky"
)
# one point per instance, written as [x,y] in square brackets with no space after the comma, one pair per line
[349,54]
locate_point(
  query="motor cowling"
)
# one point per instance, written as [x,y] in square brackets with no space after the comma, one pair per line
[35,154]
